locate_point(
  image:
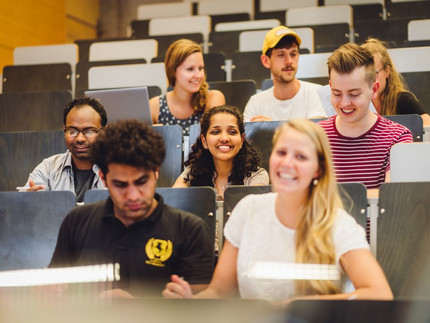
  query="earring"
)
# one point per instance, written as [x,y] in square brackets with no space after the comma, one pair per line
[315,181]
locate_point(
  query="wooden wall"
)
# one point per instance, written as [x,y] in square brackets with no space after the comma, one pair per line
[45,22]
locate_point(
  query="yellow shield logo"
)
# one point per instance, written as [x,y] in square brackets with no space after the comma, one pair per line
[158,251]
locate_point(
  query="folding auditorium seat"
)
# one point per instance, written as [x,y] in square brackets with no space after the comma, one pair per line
[181,25]
[333,25]
[413,122]
[146,12]
[412,9]
[394,31]
[418,33]
[313,68]
[409,162]
[413,64]
[22,151]
[48,54]
[164,41]
[247,65]
[363,9]
[82,68]
[225,37]
[124,49]
[30,225]
[276,9]
[403,237]
[84,46]
[33,111]
[245,89]
[129,75]
[40,77]
[226,11]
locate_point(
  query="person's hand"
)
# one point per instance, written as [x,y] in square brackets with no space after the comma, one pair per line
[34,187]
[260,118]
[177,288]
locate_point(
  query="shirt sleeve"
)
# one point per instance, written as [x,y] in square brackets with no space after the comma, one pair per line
[197,258]
[184,174]
[348,235]
[407,104]
[405,137]
[64,255]
[260,177]
[234,227]
[40,175]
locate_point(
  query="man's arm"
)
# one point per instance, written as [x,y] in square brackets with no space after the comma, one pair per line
[64,255]
[197,259]
[38,178]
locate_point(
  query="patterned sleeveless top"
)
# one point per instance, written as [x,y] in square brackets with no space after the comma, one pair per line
[167,118]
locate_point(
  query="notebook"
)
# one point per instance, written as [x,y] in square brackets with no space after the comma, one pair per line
[124,103]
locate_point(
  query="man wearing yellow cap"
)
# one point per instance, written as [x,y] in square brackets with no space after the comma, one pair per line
[288,98]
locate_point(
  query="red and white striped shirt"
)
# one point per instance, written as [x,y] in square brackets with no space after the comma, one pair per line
[365,158]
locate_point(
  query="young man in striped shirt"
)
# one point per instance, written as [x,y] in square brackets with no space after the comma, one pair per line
[360,139]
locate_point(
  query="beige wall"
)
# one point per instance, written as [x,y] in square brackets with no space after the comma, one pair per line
[43,22]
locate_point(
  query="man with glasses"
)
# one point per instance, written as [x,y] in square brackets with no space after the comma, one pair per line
[73,170]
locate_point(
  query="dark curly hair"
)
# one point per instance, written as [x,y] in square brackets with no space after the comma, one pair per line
[200,160]
[130,142]
[93,103]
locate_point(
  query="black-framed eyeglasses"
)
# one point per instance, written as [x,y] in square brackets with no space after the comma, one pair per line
[377,71]
[73,132]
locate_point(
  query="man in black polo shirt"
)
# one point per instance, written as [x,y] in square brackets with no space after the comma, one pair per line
[133,227]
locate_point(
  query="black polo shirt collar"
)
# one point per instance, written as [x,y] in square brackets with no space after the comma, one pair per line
[109,215]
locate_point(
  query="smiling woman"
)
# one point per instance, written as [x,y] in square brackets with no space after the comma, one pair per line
[300,226]
[185,104]
[221,155]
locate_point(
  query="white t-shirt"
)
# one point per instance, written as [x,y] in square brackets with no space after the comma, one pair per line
[304,105]
[255,230]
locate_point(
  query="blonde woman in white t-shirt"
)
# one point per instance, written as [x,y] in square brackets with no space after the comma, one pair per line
[302,222]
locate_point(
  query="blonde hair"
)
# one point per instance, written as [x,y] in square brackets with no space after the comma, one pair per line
[176,54]
[350,56]
[395,81]
[313,241]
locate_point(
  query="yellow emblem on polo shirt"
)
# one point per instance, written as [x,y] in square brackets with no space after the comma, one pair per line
[158,251]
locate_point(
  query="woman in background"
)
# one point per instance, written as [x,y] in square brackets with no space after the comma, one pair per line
[221,155]
[302,222]
[190,97]
[393,95]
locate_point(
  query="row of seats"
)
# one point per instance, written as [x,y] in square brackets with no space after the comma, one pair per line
[28,240]
[21,151]
[411,62]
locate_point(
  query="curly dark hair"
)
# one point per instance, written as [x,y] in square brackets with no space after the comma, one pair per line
[200,160]
[130,142]
[93,103]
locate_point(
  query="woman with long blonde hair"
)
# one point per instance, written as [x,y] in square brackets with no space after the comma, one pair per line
[185,104]
[393,96]
[301,223]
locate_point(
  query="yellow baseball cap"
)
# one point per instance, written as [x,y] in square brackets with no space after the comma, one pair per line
[275,35]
